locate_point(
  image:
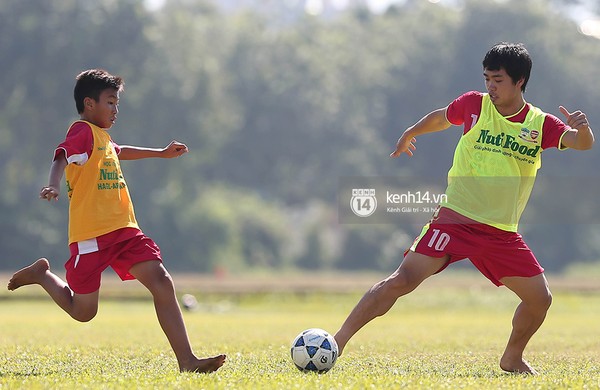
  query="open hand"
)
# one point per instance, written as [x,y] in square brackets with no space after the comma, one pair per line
[405,144]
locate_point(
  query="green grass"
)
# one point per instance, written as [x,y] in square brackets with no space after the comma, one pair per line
[438,337]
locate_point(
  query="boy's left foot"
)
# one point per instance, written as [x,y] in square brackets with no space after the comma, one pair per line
[205,365]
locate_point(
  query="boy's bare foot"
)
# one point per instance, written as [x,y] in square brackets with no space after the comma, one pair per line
[204,365]
[517,366]
[29,275]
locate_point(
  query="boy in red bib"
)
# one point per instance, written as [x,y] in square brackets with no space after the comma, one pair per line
[103,230]
[489,184]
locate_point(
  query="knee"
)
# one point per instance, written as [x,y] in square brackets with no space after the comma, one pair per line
[547,300]
[85,315]
[162,282]
[164,278]
[543,302]
[154,277]
[398,284]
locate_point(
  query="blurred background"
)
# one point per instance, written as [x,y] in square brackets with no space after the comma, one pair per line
[277,100]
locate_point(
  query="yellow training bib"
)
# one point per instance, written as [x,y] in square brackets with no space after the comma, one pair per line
[494,167]
[99,198]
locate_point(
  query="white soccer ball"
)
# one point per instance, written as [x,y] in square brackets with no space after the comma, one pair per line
[189,302]
[314,350]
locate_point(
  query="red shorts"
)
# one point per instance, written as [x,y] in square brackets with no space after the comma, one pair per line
[494,252]
[87,261]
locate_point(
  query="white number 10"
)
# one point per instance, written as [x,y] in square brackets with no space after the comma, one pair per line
[438,243]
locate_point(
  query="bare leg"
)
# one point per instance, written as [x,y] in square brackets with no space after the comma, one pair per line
[529,316]
[381,297]
[155,277]
[82,307]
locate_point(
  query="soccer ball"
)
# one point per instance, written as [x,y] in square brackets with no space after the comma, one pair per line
[189,302]
[314,350]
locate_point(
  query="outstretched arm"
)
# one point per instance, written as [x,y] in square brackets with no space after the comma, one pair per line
[581,136]
[430,123]
[174,149]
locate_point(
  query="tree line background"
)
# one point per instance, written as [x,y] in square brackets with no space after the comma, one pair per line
[276,106]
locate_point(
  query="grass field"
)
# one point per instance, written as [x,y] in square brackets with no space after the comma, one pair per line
[439,337]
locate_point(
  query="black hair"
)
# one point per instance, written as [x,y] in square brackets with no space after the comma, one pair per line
[91,83]
[513,57]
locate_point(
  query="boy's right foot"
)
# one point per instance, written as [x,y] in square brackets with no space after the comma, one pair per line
[206,365]
[32,274]
[516,366]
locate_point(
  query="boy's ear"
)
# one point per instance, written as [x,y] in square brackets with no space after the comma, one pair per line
[88,102]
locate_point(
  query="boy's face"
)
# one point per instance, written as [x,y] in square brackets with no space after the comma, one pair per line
[501,88]
[102,113]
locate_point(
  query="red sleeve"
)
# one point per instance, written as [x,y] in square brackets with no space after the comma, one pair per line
[553,131]
[77,145]
[116,146]
[465,110]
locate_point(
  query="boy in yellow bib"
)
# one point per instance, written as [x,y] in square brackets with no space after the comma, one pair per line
[489,184]
[103,230]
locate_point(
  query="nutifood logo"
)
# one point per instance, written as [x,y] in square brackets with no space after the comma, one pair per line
[363,202]
[507,141]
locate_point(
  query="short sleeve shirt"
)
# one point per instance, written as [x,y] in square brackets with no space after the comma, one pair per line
[465,110]
[78,144]
[77,147]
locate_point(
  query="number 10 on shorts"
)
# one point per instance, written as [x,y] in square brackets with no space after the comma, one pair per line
[438,241]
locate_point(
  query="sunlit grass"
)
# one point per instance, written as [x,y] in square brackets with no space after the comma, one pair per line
[434,338]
